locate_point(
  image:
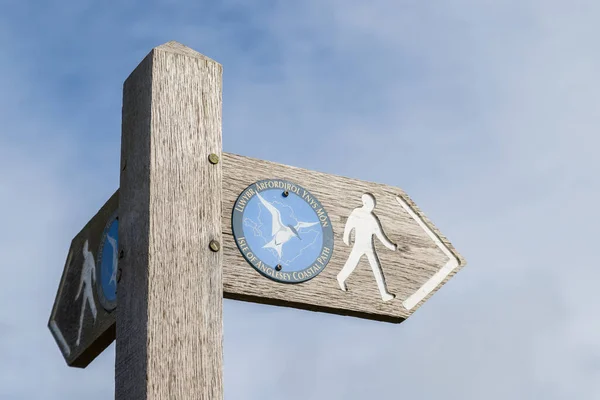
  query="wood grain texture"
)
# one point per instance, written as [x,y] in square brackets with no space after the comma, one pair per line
[405,270]
[169,314]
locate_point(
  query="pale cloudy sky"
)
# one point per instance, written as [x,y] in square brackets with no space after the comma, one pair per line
[485,112]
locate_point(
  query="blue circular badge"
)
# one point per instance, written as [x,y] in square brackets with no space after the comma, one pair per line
[107,265]
[282,230]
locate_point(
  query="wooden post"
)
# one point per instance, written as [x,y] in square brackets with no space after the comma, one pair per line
[169,315]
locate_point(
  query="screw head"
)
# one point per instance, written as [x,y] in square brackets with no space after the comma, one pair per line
[278,267]
[214,245]
[213,158]
[286,193]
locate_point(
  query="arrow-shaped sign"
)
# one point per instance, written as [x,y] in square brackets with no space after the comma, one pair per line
[420,263]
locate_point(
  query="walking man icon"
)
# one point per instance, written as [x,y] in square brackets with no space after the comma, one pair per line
[365,225]
[88,276]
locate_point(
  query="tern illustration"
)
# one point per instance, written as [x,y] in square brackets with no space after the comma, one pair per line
[113,244]
[281,233]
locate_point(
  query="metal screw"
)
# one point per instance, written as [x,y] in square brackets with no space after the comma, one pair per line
[278,267]
[214,245]
[213,158]
[286,193]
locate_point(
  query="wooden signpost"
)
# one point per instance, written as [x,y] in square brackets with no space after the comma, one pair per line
[194,225]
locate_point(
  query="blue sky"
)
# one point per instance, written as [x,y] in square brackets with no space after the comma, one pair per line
[485,113]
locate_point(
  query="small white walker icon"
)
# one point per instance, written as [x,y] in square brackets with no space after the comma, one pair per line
[365,225]
[88,277]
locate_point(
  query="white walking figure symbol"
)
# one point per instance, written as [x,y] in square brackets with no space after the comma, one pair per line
[281,233]
[88,277]
[366,225]
[115,259]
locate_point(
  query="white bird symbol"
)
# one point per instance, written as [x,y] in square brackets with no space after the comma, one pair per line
[113,243]
[281,233]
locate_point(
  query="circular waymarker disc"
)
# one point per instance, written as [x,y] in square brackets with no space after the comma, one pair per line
[107,265]
[282,230]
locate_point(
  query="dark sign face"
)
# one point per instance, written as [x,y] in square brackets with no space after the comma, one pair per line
[81,321]
[282,230]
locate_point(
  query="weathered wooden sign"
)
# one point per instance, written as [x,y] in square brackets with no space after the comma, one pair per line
[82,319]
[386,258]
[190,226]
[361,249]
